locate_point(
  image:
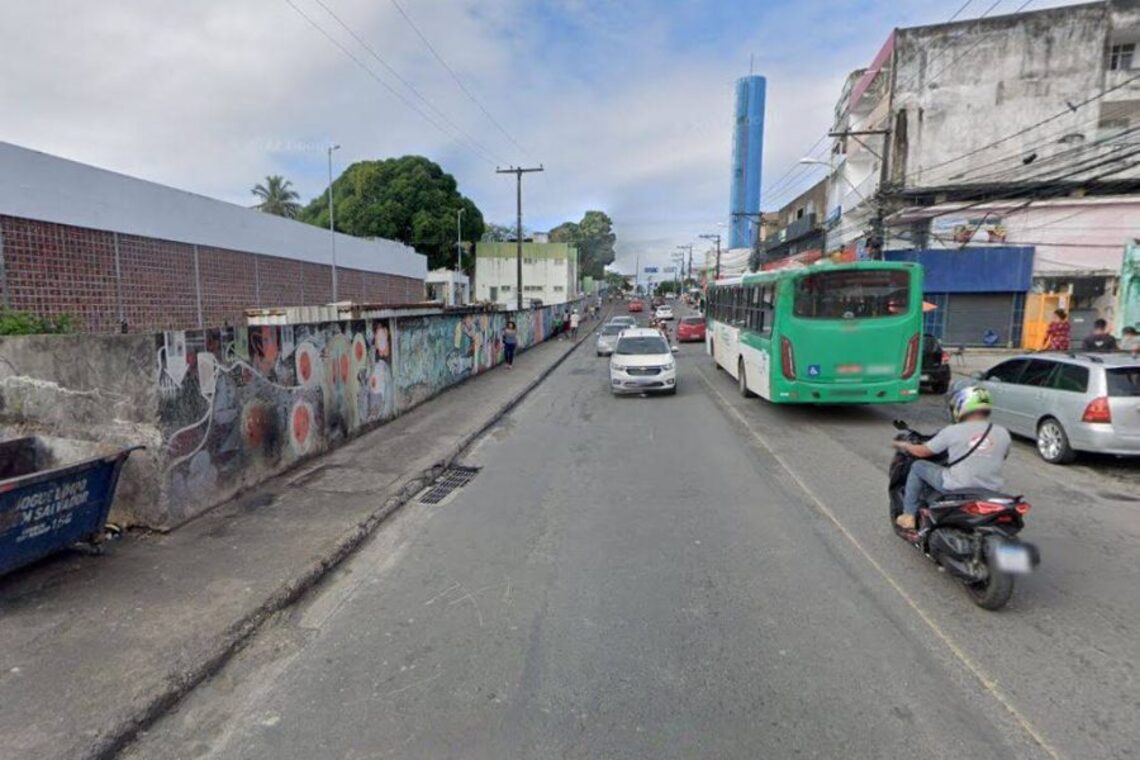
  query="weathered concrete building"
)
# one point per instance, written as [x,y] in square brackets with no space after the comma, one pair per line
[550,273]
[1016,131]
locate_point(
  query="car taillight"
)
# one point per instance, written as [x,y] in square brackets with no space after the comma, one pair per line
[1097,411]
[787,359]
[983,508]
[945,357]
[910,363]
[1023,508]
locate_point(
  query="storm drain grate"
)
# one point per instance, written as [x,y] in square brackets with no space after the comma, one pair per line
[451,479]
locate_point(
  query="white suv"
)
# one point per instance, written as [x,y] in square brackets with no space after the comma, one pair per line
[642,362]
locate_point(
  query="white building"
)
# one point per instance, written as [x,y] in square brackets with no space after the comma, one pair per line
[447,286]
[550,273]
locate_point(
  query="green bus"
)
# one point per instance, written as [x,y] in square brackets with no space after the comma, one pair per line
[824,334]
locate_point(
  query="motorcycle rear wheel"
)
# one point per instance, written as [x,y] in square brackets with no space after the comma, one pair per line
[994,592]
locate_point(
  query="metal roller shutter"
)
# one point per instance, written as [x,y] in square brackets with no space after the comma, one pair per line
[970,315]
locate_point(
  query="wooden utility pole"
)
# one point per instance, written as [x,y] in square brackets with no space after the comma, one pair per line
[518,171]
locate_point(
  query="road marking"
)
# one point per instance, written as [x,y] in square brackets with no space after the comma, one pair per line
[988,682]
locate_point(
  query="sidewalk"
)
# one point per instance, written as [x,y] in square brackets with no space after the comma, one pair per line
[97,647]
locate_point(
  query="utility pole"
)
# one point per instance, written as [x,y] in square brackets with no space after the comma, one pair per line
[332,226]
[518,171]
[689,248]
[875,240]
[715,237]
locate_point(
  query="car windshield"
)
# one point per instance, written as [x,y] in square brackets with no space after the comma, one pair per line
[642,344]
[612,329]
[692,321]
[851,294]
[1123,381]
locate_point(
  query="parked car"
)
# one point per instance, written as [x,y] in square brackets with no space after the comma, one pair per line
[935,365]
[642,362]
[1068,402]
[690,329]
[664,312]
[608,337]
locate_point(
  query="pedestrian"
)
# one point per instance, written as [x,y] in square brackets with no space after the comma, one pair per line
[558,325]
[1130,341]
[574,323]
[510,343]
[1057,333]
[1100,340]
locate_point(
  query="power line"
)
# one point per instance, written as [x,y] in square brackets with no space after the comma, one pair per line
[399,95]
[391,70]
[458,81]
[1067,110]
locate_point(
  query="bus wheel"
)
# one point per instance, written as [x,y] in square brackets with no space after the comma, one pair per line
[742,379]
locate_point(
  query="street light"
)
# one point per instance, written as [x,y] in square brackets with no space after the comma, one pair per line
[332,226]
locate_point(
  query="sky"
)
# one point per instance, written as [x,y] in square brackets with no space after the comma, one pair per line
[626,103]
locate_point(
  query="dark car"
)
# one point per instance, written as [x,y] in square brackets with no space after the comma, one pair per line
[935,365]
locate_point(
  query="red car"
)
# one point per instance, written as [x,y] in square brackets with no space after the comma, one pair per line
[691,328]
[636,305]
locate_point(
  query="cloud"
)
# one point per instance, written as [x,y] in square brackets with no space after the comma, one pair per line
[626,102]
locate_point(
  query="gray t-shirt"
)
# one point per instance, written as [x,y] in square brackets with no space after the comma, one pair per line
[982,469]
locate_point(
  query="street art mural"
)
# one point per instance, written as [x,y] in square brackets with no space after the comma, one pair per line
[237,405]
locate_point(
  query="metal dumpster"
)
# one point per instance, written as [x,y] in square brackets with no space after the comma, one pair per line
[54,493]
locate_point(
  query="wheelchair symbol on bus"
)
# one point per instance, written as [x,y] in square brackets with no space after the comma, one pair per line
[813,370]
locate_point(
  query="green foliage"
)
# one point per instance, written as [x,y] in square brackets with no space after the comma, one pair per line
[499,233]
[617,282]
[410,199]
[277,197]
[668,286]
[26,323]
[594,237]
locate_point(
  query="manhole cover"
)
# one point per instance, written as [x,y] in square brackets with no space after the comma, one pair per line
[451,479]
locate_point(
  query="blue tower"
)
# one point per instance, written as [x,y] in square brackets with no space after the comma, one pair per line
[747,161]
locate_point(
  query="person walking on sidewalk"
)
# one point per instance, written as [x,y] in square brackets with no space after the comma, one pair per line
[574,323]
[510,343]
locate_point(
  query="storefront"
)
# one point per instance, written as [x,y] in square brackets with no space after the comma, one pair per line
[980,293]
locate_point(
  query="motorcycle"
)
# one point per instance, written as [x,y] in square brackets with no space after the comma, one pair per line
[970,534]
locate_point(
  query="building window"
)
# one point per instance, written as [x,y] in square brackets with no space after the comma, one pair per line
[1120,56]
[558,288]
[532,288]
[504,288]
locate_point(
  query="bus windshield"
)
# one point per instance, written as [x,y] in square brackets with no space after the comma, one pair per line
[857,294]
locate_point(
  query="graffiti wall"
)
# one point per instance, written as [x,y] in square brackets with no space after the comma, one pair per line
[238,405]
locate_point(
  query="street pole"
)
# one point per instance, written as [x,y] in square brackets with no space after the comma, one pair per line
[715,237]
[458,251]
[332,225]
[518,171]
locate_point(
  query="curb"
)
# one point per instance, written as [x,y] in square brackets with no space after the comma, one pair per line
[239,634]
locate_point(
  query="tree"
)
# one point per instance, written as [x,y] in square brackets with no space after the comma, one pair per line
[499,233]
[594,238]
[277,197]
[410,199]
[618,282]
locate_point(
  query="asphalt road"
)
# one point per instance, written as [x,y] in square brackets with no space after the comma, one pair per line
[691,576]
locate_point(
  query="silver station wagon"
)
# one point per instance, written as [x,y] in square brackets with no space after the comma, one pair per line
[1068,402]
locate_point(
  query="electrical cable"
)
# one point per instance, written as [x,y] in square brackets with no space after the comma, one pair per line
[399,95]
[458,81]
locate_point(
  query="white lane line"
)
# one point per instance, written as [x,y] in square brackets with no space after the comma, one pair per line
[988,682]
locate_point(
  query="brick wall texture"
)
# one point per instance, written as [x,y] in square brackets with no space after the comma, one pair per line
[53,269]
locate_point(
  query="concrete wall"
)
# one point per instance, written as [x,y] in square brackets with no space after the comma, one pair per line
[90,387]
[223,409]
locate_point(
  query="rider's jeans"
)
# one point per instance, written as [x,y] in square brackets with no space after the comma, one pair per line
[923,475]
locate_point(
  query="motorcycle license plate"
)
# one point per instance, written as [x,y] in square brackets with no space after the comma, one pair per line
[1012,558]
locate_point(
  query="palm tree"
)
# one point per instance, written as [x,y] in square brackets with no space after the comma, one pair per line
[277,197]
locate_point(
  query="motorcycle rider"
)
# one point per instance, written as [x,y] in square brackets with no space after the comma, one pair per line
[977,450]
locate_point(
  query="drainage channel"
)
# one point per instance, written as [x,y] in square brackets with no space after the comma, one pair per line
[451,479]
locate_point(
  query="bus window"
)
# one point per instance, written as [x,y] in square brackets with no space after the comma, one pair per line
[768,308]
[857,294]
